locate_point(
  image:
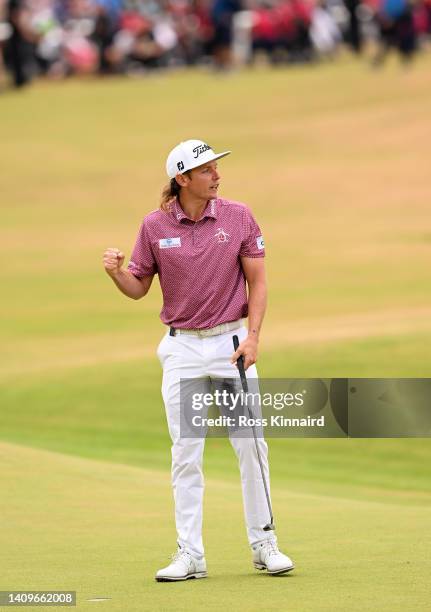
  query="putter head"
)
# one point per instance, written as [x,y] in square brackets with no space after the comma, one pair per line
[269,527]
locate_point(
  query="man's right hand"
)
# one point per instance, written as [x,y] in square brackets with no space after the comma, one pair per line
[113,259]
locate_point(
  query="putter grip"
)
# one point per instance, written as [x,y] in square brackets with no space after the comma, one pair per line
[240,359]
[240,362]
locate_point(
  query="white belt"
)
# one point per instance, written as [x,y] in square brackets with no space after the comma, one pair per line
[211,331]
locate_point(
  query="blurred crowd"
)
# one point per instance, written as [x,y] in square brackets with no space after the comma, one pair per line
[57,38]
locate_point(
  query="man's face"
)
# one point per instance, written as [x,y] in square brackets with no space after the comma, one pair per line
[203,181]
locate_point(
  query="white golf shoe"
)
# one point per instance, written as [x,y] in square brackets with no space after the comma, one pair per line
[267,556]
[183,567]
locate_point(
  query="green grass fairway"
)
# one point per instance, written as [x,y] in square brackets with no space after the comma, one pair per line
[103,529]
[334,162]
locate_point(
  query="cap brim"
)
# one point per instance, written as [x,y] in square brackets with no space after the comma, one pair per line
[201,163]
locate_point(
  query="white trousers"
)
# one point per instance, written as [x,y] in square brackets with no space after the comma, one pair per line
[186,356]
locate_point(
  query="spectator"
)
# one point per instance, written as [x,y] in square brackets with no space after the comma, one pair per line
[395,19]
[265,32]
[353,34]
[222,16]
[20,47]
[103,35]
[324,32]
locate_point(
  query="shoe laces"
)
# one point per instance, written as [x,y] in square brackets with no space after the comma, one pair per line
[270,547]
[182,555]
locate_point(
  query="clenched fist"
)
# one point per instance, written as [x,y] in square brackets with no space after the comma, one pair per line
[113,259]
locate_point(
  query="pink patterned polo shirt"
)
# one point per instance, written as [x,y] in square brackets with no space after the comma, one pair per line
[198,262]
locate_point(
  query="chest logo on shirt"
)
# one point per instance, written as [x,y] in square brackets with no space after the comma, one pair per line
[168,243]
[221,235]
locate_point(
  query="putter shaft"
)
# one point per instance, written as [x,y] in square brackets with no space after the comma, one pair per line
[269,526]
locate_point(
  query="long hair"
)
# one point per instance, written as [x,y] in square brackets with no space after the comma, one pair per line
[169,193]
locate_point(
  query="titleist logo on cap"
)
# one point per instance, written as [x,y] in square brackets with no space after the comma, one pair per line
[200,149]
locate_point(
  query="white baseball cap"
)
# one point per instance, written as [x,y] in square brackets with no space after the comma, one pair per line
[190,154]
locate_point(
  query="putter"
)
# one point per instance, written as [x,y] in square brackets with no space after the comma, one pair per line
[240,362]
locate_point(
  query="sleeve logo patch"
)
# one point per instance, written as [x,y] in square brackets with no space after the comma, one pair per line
[260,243]
[168,243]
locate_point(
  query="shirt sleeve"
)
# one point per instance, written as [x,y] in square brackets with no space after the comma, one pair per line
[142,262]
[252,240]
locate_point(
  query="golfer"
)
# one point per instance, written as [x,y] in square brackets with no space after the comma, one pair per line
[206,251]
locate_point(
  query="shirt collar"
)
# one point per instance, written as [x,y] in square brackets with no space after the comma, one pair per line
[209,211]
